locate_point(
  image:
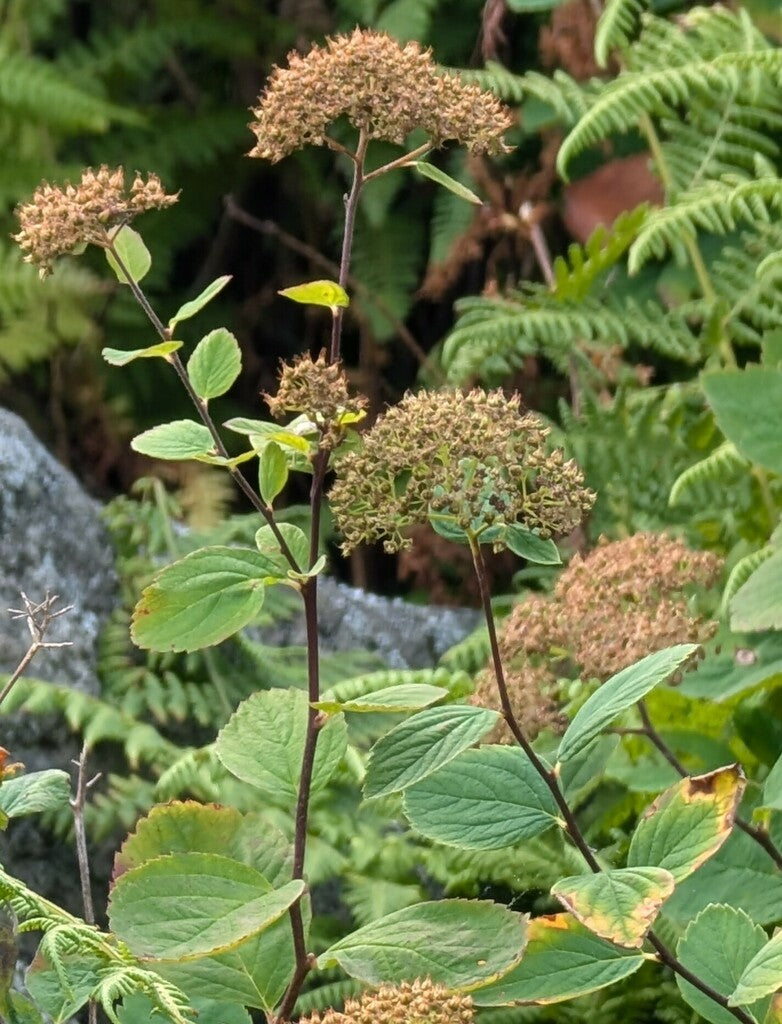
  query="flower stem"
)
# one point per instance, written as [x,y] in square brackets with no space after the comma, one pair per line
[351,207]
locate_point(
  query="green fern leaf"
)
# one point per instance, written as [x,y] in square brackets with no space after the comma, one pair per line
[742,571]
[718,467]
[616,26]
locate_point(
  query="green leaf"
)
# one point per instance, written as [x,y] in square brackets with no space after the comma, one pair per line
[762,976]
[563,960]
[318,293]
[120,357]
[457,943]
[272,472]
[447,528]
[181,439]
[736,396]
[772,787]
[532,6]
[186,905]
[404,697]
[200,600]
[195,305]
[717,946]
[61,993]
[8,952]
[619,693]
[422,745]
[297,540]
[688,823]
[529,545]
[427,170]
[263,743]
[619,905]
[139,1009]
[215,364]
[757,605]
[485,799]
[47,790]
[130,248]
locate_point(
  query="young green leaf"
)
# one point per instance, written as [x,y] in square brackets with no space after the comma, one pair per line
[619,905]
[47,790]
[563,960]
[200,600]
[263,743]
[688,823]
[215,364]
[757,605]
[529,545]
[297,540]
[121,357]
[427,170]
[772,787]
[732,394]
[130,248]
[404,697]
[762,976]
[176,441]
[195,305]
[186,905]
[272,472]
[718,946]
[485,799]
[457,943]
[422,744]
[619,693]
[318,293]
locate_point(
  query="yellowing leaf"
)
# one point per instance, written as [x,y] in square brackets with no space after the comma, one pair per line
[688,823]
[618,905]
[318,293]
[120,357]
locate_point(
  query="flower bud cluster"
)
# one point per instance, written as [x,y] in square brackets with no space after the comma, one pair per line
[473,458]
[59,219]
[382,88]
[417,1002]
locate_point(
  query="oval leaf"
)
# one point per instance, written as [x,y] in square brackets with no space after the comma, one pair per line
[200,600]
[762,976]
[215,364]
[130,248]
[186,905]
[529,545]
[718,946]
[619,905]
[427,170]
[197,304]
[422,745]
[46,790]
[181,439]
[456,943]
[688,823]
[404,697]
[120,357]
[620,693]
[318,293]
[298,544]
[757,605]
[485,799]
[732,394]
[263,743]
[272,472]
[563,960]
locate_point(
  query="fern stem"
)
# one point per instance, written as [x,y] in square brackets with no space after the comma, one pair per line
[551,780]
[203,410]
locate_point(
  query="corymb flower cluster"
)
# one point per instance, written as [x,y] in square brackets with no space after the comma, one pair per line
[417,1002]
[474,458]
[61,219]
[384,89]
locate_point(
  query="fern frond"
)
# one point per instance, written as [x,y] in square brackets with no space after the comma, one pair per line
[717,206]
[457,683]
[332,994]
[718,467]
[576,275]
[617,24]
[742,571]
[370,898]
[470,654]
[744,278]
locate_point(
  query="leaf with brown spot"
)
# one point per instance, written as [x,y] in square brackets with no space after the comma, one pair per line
[688,823]
[618,905]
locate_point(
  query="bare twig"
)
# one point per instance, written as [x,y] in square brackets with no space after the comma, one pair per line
[77,806]
[38,618]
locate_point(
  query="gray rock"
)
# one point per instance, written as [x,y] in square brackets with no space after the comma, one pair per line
[51,538]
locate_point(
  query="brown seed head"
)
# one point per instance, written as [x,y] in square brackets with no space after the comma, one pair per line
[382,88]
[58,219]
[417,1002]
[472,457]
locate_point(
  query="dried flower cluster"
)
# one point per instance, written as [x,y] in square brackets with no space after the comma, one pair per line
[417,1002]
[474,458]
[319,390]
[59,219]
[382,88]
[623,601]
